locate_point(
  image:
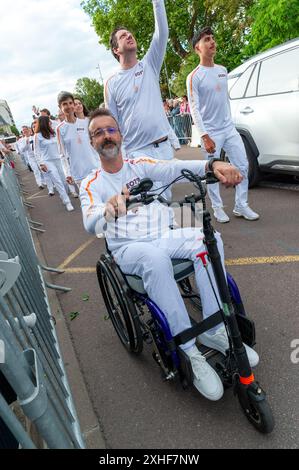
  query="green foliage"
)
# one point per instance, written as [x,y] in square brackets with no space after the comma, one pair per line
[179,85]
[15,131]
[273,22]
[90,92]
[73,315]
[242,28]
[228,18]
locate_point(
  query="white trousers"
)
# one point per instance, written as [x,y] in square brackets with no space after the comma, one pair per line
[151,260]
[232,144]
[56,175]
[162,151]
[41,178]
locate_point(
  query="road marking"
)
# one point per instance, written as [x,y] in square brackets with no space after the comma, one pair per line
[76,253]
[229,262]
[262,260]
[79,270]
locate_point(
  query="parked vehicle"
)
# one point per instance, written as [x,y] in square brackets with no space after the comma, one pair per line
[264,99]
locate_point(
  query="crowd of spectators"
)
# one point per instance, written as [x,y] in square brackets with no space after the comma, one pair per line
[178,112]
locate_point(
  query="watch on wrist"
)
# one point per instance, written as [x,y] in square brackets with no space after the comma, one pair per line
[211,162]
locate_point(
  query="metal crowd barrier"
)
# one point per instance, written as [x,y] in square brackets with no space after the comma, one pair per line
[182,126]
[30,359]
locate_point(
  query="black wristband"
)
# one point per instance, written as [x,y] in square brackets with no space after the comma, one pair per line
[211,162]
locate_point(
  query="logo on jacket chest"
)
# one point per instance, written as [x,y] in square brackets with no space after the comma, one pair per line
[133,183]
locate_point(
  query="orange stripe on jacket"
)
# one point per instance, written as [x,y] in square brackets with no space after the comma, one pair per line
[143,159]
[191,86]
[88,185]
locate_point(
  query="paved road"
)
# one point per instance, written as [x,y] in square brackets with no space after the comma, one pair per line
[134,407]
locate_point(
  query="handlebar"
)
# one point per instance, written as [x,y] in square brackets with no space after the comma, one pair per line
[141,195]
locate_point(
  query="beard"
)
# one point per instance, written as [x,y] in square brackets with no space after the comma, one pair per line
[108,153]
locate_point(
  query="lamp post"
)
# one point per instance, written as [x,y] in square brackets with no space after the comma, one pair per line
[100,72]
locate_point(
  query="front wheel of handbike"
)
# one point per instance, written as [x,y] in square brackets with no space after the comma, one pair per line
[259,414]
[121,309]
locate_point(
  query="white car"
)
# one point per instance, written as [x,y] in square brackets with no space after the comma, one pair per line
[264,100]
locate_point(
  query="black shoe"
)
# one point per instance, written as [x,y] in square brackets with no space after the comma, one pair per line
[51,194]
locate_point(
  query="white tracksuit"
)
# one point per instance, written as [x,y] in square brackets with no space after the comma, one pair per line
[79,158]
[26,148]
[46,152]
[134,98]
[142,242]
[210,109]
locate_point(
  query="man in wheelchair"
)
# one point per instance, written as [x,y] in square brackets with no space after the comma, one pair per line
[143,243]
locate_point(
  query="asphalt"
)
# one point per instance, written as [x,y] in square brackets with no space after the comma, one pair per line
[128,404]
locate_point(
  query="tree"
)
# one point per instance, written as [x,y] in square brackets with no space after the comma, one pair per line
[227,17]
[15,131]
[90,92]
[273,22]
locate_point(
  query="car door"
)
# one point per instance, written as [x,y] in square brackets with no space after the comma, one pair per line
[268,108]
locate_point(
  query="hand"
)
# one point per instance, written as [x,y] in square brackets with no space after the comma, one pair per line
[227,173]
[209,144]
[116,206]
[43,167]
[69,180]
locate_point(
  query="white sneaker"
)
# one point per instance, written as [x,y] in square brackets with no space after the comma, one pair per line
[246,212]
[219,341]
[206,380]
[75,195]
[220,215]
[69,207]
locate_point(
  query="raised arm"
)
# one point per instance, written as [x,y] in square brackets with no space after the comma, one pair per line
[155,54]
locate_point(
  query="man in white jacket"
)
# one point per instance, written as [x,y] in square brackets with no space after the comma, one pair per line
[210,109]
[142,242]
[133,93]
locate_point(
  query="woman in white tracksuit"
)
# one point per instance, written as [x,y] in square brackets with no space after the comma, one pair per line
[47,156]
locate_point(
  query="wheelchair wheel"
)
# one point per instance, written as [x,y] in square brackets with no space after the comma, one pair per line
[120,307]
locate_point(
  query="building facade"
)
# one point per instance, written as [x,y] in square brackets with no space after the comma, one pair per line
[6,118]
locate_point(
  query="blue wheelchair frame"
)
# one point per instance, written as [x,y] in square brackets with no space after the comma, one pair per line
[162,322]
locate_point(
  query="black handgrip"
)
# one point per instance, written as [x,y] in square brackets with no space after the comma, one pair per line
[211,178]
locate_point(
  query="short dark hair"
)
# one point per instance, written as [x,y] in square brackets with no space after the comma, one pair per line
[101,112]
[64,95]
[113,41]
[202,32]
[45,110]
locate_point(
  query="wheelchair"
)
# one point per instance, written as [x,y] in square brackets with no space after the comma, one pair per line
[137,319]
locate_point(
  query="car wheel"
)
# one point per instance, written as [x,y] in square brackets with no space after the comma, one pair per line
[254,173]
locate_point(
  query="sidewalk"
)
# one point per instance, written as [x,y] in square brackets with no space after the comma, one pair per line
[90,426]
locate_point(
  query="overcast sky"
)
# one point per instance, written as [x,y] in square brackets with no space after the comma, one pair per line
[45,46]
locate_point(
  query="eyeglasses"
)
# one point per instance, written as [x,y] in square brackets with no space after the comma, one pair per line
[101,131]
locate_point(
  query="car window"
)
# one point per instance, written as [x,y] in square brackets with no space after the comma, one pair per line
[252,85]
[238,89]
[279,74]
